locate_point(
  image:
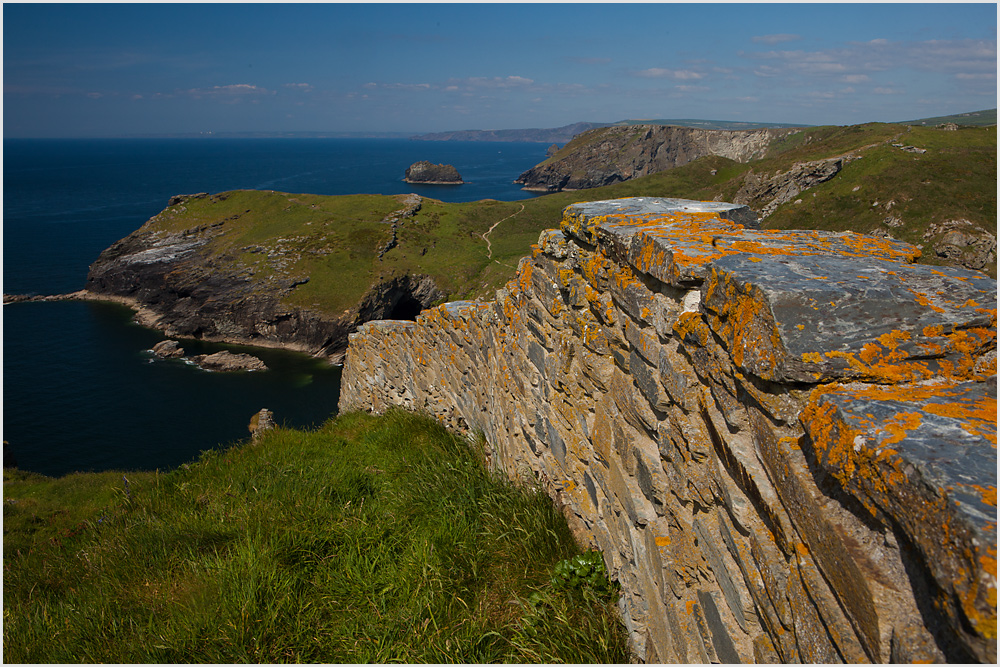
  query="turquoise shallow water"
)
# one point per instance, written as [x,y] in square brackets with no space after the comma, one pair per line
[81,391]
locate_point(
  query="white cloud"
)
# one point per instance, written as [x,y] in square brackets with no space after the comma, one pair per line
[466,85]
[495,82]
[883,90]
[776,39]
[230,93]
[854,61]
[677,74]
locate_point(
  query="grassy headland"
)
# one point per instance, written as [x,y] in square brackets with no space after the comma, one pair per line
[372,539]
[334,241]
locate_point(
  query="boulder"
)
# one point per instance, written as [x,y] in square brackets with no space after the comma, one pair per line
[168,349]
[433,174]
[229,361]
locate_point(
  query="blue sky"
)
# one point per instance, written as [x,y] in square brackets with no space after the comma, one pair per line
[126,69]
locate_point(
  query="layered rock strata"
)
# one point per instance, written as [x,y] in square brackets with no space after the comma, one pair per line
[784,443]
[608,155]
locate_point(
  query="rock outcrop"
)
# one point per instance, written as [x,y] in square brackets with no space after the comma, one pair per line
[260,423]
[428,173]
[783,442]
[609,155]
[226,361]
[964,243]
[766,192]
[168,349]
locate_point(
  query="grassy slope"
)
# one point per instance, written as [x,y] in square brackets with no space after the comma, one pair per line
[369,540]
[334,240]
[977,118]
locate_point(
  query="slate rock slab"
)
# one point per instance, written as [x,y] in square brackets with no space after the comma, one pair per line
[923,458]
[814,318]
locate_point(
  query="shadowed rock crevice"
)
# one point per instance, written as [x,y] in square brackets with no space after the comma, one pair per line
[400,298]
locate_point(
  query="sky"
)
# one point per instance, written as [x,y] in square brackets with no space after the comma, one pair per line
[98,70]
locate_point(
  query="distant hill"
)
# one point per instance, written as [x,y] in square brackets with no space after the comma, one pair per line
[707,124]
[561,135]
[275,135]
[556,135]
[973,118]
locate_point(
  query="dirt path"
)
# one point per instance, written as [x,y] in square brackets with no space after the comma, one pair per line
[486,236]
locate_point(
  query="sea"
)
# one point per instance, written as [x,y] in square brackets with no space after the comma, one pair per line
[81,389]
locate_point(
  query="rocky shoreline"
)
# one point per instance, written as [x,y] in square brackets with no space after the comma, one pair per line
[144,316]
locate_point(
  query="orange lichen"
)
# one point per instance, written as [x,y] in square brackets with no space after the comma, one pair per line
[988,494]
[690,327]
[899,425]
[892,339]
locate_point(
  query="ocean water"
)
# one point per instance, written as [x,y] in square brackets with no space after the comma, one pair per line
[80,389]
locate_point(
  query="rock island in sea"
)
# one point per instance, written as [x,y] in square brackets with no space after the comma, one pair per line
[432,174]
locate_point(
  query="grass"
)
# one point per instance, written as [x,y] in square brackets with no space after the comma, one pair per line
[368,540]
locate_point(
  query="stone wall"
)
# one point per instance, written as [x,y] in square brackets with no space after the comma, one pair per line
[784,443]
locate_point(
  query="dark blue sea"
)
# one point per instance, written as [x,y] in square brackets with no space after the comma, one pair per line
[80,389]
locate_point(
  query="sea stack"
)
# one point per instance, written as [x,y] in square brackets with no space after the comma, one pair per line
[432,174]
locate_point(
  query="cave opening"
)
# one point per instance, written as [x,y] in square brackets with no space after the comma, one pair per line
[407,308]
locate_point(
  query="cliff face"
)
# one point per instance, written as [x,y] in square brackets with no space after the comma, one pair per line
[784,443]
[609,155]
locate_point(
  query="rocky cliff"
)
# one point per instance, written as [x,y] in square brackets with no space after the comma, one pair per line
[188,281]
[612,154]
[783,442]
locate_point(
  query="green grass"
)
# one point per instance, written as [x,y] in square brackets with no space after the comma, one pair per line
[368,540]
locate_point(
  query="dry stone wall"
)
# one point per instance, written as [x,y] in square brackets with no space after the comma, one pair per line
[783,443]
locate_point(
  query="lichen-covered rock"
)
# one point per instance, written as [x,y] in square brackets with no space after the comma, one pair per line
[922,458]
[783,443]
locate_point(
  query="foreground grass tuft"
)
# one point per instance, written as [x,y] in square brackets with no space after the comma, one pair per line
[372,539]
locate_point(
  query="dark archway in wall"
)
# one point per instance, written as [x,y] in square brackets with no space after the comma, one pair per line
[407,308]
